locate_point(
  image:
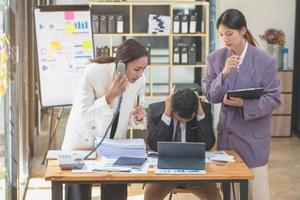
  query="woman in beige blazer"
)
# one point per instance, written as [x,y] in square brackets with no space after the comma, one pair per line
[96,102]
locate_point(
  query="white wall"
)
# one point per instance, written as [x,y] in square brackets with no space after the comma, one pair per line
[263,14]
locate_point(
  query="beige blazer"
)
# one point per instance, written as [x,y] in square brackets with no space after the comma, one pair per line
[90,113]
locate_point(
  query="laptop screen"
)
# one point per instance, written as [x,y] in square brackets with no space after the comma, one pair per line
[177,155]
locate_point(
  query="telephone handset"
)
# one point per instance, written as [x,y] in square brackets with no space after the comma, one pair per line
[70,161]
[121,68]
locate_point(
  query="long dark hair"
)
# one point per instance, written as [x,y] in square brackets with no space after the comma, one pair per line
[128,50]
[234,19]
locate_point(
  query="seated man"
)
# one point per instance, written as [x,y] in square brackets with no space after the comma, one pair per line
[183,111]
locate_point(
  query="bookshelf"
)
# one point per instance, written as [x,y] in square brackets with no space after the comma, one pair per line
[161,72]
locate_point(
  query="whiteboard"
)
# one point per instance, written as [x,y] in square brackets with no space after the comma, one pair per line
[64,47]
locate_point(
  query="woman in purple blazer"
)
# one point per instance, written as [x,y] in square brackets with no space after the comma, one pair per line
[244,125]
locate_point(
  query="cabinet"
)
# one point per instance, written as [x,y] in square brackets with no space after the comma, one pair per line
[165,68]
[282,116]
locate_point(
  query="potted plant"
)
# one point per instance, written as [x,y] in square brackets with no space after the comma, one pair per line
[275,39]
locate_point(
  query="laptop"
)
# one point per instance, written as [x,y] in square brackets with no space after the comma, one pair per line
[178,155]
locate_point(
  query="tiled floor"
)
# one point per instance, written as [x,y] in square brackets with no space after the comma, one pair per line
[284,171]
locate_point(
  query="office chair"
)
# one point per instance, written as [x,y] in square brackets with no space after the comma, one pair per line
[179,189]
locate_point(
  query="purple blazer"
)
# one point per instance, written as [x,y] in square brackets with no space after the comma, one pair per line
[247,130]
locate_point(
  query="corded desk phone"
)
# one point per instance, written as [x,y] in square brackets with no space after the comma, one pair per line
[70,161]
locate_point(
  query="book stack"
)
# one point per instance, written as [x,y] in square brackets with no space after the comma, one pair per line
[115,148]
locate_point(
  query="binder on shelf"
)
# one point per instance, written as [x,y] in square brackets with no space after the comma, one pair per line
[176,23]
[102,51]
[95,23]
[200,17]
[176,55]
[114,51]
[148,49]
[184,23]
[111,24]
[103,24]
[98,51]
[192,54]
[193,23]
[120,23]
[106,51]
[184,55]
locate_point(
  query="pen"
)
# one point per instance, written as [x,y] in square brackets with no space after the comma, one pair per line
[138,100]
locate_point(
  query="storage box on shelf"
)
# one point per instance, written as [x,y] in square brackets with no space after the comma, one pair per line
[282,116]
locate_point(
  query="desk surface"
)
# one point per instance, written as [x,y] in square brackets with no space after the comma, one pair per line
[221,171]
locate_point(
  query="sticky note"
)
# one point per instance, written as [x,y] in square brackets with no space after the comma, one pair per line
[70,28]
[69,15]
[87,45]
[55,45]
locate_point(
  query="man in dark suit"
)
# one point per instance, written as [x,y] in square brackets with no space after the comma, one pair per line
[180,118]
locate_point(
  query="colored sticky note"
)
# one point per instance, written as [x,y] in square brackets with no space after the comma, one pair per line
[55,45]
[70,28]
[87,45]
[69,15]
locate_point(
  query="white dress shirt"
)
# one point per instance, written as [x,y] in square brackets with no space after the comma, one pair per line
[167,121]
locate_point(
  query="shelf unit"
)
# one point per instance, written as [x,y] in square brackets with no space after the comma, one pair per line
[282,116]
[161,73]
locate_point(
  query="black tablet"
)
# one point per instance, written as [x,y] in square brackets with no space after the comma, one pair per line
[249,93]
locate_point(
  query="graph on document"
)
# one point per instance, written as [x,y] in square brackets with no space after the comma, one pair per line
[81,25]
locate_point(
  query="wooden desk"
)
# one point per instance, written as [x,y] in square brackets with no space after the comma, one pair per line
[225,173]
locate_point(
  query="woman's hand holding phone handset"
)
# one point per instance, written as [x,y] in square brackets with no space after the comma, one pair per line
[116,88]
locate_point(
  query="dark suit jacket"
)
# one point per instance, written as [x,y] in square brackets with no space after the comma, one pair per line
[196,131]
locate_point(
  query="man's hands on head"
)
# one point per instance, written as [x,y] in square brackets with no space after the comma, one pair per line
[168,105]
[116,88]
[200,111]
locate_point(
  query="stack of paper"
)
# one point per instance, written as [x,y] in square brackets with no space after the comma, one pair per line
[114,148]
[159,24]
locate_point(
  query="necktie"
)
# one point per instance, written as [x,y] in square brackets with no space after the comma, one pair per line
[178,133]
[114,127]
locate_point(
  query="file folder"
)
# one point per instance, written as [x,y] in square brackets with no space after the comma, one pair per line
[148,49]
[111,24]
[98,51]
[184,55]
[106,51]
[193,23]
[95,23]
[120,23]
[192,54]
[114,51]
[103,24]
[176,55]
[176,24]
[184,23]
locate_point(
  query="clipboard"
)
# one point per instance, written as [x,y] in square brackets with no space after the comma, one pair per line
[249,93]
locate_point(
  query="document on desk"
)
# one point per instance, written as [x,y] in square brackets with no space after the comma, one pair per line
[114,148]
[179,171]
[218,156]
[106,165]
